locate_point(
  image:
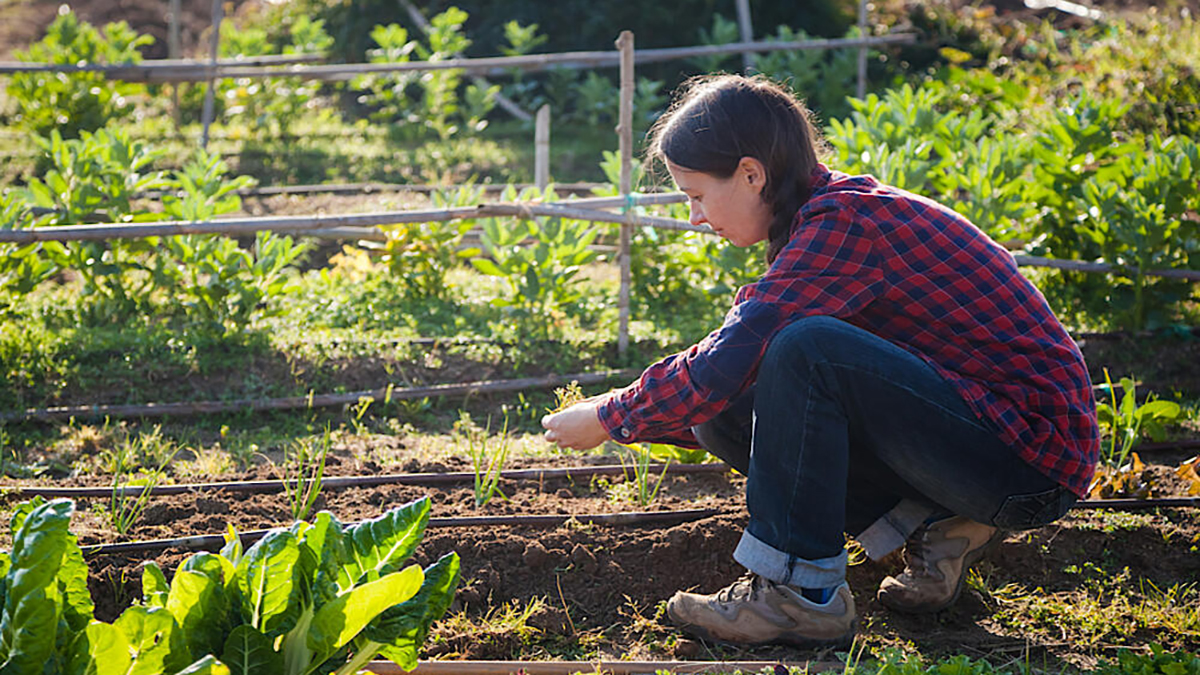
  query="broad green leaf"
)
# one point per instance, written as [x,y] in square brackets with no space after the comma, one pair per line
[32,603]
[78,608]
[488,267]
[382,544]
[340,620]
[154,585]
[154,643]
[100,649]
[403,628]
[249,652]
[200,609]
[323,552]
[267,577]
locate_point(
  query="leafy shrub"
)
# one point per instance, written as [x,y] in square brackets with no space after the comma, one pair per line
[315,597]
[71,103]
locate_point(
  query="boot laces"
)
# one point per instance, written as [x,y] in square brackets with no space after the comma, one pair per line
[916,552]
[746,588]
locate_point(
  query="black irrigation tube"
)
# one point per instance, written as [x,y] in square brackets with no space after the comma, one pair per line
[216,541]
[338,482]
[1129,504]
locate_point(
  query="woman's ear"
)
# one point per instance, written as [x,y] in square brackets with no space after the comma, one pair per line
[752,171]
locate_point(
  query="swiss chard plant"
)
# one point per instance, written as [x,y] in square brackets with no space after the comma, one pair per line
[315,597]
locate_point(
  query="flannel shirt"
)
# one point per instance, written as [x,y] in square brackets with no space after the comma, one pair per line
[917,274]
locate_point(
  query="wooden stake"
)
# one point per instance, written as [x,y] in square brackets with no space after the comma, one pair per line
[862,50]
[218,13]
[174,51]
[625,136]
[541,148]
[747,33]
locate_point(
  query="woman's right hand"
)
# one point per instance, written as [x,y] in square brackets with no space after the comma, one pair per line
[577,427]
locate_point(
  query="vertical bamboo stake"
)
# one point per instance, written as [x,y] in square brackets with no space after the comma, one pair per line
[625,134]
[862,51]
[218,13]
[541,148]
[173,51]
[747,32]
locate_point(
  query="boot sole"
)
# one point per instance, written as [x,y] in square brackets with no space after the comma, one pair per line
[789,640]
[968,562]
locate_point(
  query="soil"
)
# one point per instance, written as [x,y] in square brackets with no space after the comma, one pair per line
[605,583]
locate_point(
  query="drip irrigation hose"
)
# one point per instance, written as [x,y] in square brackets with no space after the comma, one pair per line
[606,667]
[216,541]
[333,483]
[1127,504]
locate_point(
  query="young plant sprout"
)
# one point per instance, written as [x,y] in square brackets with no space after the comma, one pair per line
[125,510]
[637,458]
[565,397]
[303,474]
[487,464]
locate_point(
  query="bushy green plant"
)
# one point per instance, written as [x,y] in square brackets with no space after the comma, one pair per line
[315,597]
[823,78]
[72,103]
[1124,422]
[539,260]
[22,266]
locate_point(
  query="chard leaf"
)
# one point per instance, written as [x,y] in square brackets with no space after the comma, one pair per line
[267,577]
[22,511]
[382,544]
[154,585]
[32,603]
[78,608]
[403,628]
[343,618]
[215,567]
[208,665]
[153,643]
[100,649]
[322,553]
[198,605]
[249,652]
[232,550]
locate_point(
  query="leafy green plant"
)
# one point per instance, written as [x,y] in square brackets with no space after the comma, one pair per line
[23,267]
[667,452]
[1125,422]
[125,509]
[303,472]
[1159,661]
[72,103]
[636,460]
[824,78]
[539,260]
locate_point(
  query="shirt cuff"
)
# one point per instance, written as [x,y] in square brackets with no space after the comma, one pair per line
[615,419]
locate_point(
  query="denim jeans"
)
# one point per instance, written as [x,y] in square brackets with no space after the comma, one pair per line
[845,432]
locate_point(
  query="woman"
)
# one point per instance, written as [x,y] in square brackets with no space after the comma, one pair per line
[891,376]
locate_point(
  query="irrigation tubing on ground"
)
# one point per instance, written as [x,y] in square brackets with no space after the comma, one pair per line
[606,667]
[633,518]
[1134,504]
[312,401]
[341,482]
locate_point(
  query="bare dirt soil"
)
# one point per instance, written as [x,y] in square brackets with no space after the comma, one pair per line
[602,585]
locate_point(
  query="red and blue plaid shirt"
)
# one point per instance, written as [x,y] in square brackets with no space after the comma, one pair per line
[917,274]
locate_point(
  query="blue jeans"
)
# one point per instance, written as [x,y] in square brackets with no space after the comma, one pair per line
[846,432]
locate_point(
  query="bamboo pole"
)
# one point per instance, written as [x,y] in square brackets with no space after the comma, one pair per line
[311,401]
[541,148]
[600,667]
[746,31]
[625,144]
[635,518]
[218,13]
[342,482]
[174,50]
[493,65]
[862,50]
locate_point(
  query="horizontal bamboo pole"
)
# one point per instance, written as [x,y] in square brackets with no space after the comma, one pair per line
[599,667]
[12,67]
[340,482]
[151,71]
[216,541]
[1084,266]
[311,401]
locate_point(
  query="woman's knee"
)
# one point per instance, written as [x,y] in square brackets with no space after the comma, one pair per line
[803,341]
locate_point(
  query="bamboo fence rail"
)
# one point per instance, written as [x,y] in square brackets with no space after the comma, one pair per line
[633,518]
[340,482]
[387,393]
[160,72]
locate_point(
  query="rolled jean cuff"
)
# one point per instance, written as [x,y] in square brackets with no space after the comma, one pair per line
[891,531]
[783,568]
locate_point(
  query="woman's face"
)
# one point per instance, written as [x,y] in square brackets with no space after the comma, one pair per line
[733,206]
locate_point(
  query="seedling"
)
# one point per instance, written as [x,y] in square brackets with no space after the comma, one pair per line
[360,410]
[486,464]
[304,472]
[637,458]
[125,510]
[1121,472]
[565,397]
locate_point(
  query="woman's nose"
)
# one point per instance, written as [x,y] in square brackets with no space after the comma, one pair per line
[696,216]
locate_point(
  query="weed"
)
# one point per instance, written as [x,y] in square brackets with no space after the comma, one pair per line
[565,397]
[358,411]
[487,465]
[636,458]
[124,508]
[303,473]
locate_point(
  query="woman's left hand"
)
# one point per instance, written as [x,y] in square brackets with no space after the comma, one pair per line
[577,427]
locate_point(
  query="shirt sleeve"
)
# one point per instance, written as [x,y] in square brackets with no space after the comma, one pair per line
[829,268]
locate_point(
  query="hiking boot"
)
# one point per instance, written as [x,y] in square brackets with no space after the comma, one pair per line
[755,611]
[936,559]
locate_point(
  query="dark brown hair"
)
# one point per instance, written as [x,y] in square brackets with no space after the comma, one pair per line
[719,119]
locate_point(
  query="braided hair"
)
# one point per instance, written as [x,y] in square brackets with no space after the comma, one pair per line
[719,119]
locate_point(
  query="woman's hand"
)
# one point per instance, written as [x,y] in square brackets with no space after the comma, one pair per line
[577,427]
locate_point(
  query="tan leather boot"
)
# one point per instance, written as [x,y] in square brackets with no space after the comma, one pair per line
[937,558]
[755,611]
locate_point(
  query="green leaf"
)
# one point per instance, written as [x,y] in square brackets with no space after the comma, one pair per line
[267,578]
[32,603]
[249,652]
[404,627]
[200,609]
[78,608]
[208,665]
[382,544]
[488,267]
[100,649]
[323,551]
[340,620]
[153,641]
